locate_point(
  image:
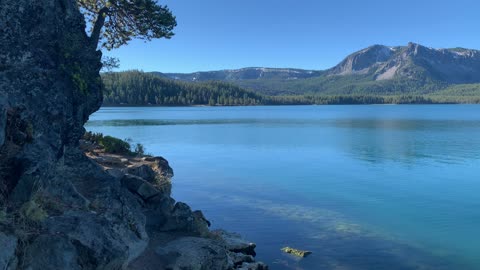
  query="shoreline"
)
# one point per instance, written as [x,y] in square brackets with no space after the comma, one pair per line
[185,231]
[279,105]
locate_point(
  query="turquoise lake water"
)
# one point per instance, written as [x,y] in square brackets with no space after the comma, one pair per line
[363,187]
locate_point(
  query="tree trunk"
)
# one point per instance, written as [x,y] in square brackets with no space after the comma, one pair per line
[97,28]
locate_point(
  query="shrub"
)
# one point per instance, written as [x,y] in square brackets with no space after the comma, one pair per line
[115,146]
[93,137]
[139,149]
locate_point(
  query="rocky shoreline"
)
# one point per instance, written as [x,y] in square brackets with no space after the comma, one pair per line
[182,240]
[61,208]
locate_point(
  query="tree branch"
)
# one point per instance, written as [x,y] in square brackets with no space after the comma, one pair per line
[97,28]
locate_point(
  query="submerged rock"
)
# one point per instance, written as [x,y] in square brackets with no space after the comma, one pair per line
[296,252]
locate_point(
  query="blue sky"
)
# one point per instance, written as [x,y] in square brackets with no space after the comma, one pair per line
[309,34]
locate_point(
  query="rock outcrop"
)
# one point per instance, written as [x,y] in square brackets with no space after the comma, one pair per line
[413,61]
[62,209]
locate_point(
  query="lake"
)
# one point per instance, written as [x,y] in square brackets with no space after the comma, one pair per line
[362,187]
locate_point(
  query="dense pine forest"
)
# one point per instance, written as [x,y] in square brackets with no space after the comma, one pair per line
[136,88]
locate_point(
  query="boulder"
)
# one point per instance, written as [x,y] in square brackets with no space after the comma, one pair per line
[8,244]
[139,186]
[193,253]
[143,171]
[51,252]
[161,166]
[237,259]
[183,219]
[235,243]
[116,173]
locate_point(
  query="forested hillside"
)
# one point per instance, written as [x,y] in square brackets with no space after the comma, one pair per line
[138,88]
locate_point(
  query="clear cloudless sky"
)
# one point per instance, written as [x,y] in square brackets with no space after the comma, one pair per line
[308,34]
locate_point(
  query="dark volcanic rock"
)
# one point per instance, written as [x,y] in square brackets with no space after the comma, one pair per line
[8,244]
[144,171]
[49,75]
[194,253]
[139,186]
[3,121]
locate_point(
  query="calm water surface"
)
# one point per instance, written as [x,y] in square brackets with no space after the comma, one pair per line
[363,187]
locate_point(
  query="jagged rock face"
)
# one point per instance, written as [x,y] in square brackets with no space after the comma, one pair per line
[413,61]
[76,216]
[3,121]
[49,76]
[362,61]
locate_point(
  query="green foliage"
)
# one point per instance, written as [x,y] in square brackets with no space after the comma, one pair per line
[93,137]
[139,149]
[73,65]
[122,20]
[138,88]
[114,145]
[110,63]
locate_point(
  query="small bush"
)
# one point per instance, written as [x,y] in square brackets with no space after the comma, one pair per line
[139,149]
[93,137]
[114,145]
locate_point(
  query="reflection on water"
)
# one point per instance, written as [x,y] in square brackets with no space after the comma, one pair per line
[413,141]
[373,140]
[364,187]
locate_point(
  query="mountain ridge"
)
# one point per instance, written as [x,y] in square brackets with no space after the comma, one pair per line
[413,68]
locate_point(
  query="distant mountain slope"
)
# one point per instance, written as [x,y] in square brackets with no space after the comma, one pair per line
[253,73]
[134,88]
[376,70]
[413,62]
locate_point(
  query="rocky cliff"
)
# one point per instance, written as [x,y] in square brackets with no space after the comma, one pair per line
[60,209]
[413,61]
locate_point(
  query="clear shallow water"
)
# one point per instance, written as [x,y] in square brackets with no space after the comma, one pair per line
[363,187]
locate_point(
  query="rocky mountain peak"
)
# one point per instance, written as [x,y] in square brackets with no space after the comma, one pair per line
[361,61]
[413,61]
